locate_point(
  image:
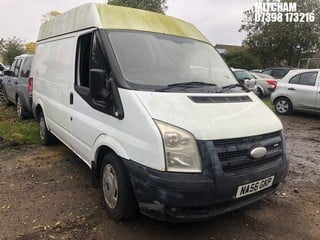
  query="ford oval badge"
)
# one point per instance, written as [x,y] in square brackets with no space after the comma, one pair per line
[258,152]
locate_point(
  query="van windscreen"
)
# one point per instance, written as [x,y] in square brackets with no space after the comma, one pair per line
[159,60]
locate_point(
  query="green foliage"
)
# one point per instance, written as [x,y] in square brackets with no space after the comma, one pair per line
[14,131]
[10,48]
[268,103]
[30,47]
[241,57]
[150,5]
[283,43]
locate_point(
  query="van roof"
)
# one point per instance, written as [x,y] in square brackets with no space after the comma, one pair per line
[95,15]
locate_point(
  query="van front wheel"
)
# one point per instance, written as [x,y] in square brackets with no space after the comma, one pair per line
[45,136]
[116,188]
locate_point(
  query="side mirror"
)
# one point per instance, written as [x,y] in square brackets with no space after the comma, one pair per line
[98,84]
[243,81]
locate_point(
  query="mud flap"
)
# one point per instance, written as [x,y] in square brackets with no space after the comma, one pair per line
[95,178]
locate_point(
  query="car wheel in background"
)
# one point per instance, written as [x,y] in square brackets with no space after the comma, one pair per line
[21,111]
[283,106]
[260,93]
[4,99]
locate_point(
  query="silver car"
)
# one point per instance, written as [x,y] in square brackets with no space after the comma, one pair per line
[299,90]
[246,79]
[17,85]
[265,84]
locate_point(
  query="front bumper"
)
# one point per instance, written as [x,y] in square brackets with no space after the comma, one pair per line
[186,197]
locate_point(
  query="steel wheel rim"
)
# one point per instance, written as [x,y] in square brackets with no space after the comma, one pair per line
[110,186]
[282,106]
[42,128]
[19,107]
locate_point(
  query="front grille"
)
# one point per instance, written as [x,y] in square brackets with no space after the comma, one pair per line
[234,154]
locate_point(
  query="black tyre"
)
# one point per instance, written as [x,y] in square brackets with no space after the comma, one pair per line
[283,106]
[22,112]
[4,98]
[116,188]
[45,136]
[260,93]
[1,96]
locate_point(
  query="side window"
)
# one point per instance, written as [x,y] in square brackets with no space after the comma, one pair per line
[12,67]
[92,79]
[267,72]
[17,68]
[26,67]
[90,56]
[295,79]
[278,73]
[83,60]
[308,79]
[97,58]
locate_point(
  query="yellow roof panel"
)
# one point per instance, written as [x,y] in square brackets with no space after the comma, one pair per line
[114,17]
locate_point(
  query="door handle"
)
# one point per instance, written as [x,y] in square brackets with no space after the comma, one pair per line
[291,89]
[71,98]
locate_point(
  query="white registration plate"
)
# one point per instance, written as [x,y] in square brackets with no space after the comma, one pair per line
[253,187]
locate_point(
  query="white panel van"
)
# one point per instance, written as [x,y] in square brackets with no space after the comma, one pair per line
[150,106]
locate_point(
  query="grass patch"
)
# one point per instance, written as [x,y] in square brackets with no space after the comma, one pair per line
[14,131]
[268,103]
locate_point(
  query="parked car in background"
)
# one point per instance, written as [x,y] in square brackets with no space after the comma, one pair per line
[2,69]
[266,84]
[17,85]
[245,78]
[256,70]
[299,90]
[276,72]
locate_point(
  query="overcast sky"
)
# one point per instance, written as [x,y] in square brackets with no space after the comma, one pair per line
[219,20]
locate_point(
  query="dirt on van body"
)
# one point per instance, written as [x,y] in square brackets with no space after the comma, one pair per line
[46,193]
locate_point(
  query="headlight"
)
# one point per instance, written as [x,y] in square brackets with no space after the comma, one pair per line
[181,150]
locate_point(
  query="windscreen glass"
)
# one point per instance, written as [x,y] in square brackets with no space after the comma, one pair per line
[157,60]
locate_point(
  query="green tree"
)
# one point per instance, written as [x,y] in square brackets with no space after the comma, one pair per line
[283,42]
[241,57]
[150,5]
[30,47]
[10,48]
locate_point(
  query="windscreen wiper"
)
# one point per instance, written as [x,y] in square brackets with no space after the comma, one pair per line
[185,85]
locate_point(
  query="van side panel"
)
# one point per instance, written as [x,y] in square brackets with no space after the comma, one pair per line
[53,74]
[135,137]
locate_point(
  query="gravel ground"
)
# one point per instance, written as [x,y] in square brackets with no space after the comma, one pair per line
[46,193]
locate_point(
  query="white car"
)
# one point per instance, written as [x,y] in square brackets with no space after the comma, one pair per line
[299,90]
